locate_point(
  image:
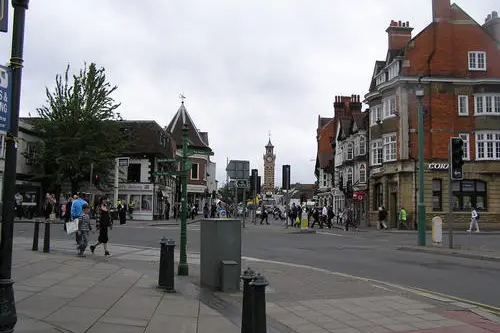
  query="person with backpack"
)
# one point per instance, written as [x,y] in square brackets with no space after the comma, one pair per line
[473,221]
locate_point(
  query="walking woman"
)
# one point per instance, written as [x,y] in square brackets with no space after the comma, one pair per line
[103,222]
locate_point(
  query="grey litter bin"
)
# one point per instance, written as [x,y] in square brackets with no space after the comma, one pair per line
[220,241]
[229,276]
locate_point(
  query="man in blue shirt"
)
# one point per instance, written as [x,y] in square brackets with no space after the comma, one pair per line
[76,207]
[77,211]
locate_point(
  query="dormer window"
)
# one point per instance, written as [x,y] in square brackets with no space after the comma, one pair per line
[393,70]
[380,78]
[477,61]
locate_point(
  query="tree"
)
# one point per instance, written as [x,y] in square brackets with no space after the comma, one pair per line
[79,126]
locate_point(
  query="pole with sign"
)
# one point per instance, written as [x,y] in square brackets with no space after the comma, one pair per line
[8,315]
[5,97]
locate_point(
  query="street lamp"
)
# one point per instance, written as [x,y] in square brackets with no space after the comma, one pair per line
[8,316]
[419,93]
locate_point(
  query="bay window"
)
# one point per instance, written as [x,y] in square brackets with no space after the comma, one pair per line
[390,147]
[377,152]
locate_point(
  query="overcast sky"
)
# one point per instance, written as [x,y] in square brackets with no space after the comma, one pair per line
[247,67]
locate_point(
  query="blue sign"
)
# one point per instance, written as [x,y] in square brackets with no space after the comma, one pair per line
[4,15]
[5,93]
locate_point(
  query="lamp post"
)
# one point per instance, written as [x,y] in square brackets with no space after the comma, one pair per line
[419,93]
[183,268]
[8,316]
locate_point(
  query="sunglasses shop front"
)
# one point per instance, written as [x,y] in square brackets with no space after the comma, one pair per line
[139,200]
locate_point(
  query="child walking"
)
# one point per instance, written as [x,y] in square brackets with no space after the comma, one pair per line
[83,230]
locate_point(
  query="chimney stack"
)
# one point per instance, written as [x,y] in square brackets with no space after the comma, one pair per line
[492,25]
[399,34]
[441,10]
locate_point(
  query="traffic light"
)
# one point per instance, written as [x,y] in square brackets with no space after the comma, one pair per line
[97,180]
[456,158]
[253,181]
[258,184]
[286,177]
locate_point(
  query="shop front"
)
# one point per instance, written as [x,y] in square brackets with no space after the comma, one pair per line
[140,197]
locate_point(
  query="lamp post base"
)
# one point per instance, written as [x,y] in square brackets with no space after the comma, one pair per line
[183,269]
[421,224]
[8,316]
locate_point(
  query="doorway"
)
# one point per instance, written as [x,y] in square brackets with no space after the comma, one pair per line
[393,211]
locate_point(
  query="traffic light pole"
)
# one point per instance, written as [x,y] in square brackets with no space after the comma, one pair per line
[183,268]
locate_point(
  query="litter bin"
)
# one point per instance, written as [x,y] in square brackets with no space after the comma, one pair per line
[220,245]
[437,230]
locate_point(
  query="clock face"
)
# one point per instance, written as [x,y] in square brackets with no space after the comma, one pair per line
[269,158]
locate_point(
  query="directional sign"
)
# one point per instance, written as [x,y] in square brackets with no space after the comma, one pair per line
[200,152]
[242,183]
[167,160]
[4,15]
[238,169]
[172,173]
[5,93]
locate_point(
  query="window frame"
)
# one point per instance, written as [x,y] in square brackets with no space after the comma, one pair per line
[466,148]
[460,194]
[465,105]
[378,197]
[389,107]
[473,61]
[437,193]
[483,144]
[487,104]
[377,156]
[388,147]
[362,172]
[197,171]
[376,114]
[350,151]
[362,145]
[349,174]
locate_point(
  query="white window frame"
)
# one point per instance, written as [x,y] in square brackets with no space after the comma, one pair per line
[473,61]
[487,104]
[362,145]
[362,173]
[466,139]
[463,105]
[390,147]
[488,145]
[375,114]
[389,107]
[350,176]
[377,152]
[380,78]
[350,151]
[393,70]
[197,172]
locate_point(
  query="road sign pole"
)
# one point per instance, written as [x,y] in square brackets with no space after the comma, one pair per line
[244,206]
[183,268]
[116,183]
[8,316]
[450,202]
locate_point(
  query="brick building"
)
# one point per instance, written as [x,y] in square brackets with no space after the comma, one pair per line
[457,61]
[324,161]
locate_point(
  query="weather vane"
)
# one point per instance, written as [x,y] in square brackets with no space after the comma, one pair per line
[182,97]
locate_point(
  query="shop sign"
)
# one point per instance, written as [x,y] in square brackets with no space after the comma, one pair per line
[359,195]
[136,187]
[438,166]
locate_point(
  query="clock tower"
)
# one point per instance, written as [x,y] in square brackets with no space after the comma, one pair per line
[269,159]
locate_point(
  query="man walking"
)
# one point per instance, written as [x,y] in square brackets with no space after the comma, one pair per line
[382,215]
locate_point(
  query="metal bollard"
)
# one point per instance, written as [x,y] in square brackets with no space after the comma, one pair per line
[46,237]
[36,233]
[258,286]
[166,273]
[246,311]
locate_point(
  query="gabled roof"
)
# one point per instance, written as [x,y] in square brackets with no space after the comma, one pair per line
[345,128]
[360,122]
[175,128]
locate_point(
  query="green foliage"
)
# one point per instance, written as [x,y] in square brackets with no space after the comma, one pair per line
[79,125]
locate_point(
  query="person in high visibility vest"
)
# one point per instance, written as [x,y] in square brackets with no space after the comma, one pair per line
[402,218]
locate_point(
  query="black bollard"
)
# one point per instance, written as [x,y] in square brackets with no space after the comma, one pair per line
[46,237]
[258,286]
[170,287]
[36,234]
[246,311]
[166,273]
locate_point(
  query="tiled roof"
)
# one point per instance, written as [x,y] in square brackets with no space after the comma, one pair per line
[148,138]
[175,127]
[361,120]
[325,151]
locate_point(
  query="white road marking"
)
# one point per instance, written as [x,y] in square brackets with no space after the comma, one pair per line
[329,233]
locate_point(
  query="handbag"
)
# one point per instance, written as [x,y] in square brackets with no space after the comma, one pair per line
[72,226]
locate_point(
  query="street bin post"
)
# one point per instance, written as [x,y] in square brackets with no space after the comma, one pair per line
[36,233]
[162,273]
[166,271]
[46,237]
[246,311]
[258,286]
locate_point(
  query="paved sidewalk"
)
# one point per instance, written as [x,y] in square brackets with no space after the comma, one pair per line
[57,292]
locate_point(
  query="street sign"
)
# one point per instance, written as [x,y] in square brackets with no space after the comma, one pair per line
[5,93]
[123,161]
[4,15]
[167,160]
[238,169]
[200,152]
[241,183]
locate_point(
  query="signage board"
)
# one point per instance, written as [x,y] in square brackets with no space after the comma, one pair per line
[5,96]
[242,183]
[238,169]
[438,166]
